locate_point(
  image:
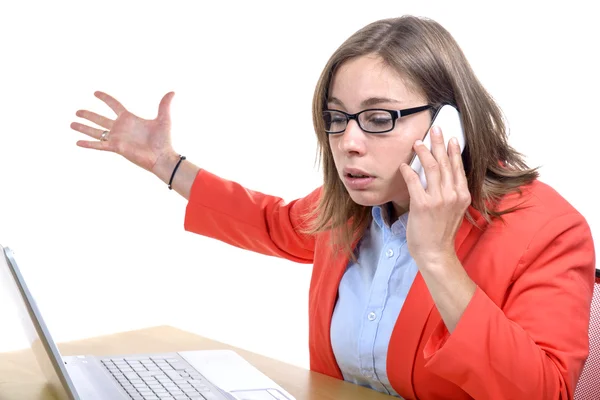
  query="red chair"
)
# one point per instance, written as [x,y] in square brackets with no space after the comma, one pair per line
[588,386]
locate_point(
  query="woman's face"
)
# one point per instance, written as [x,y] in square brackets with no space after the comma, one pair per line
[365,83]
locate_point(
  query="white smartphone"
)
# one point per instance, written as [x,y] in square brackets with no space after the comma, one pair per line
[448,119]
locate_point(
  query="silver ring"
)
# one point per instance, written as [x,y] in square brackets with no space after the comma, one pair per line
[104,136]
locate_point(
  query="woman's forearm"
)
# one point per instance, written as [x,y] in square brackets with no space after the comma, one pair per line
[450,287]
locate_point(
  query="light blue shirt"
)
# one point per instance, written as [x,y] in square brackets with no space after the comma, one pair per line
[371,295]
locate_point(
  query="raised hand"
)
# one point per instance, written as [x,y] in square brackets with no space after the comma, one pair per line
[437,212]
[141,141]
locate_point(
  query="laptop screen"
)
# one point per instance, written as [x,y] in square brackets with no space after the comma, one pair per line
[42,345]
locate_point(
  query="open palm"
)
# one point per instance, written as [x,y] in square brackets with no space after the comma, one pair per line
[139,140]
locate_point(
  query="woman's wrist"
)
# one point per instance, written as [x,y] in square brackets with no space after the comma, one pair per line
[164,166]
[183,177]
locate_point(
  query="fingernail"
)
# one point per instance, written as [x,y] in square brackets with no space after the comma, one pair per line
[418,142]
[454,141]
[436,130]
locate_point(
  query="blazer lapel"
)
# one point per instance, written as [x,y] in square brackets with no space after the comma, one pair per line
[324,297]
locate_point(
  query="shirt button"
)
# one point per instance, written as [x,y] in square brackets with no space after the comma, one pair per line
[389,253]
[372,316]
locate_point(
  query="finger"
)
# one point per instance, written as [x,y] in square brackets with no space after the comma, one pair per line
[95,118]
[413,183]
[88,130]
[164,107]
[430,165]
[111,102]
[92,144]
[439,151]
[458,169]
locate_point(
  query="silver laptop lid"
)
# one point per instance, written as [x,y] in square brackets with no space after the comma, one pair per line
[44,348]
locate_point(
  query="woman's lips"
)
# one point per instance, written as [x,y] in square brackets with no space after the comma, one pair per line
[356,179]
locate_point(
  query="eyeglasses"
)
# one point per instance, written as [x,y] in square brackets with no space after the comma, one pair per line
[373,120]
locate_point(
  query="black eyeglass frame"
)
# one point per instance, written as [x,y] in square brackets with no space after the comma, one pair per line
[394,114]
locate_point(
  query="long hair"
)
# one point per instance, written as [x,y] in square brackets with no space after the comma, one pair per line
[430,60]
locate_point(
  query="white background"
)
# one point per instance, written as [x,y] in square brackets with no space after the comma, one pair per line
[102,242]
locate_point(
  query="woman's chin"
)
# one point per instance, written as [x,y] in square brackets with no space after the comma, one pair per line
[367,198]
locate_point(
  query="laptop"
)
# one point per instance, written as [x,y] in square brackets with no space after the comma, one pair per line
[197,375]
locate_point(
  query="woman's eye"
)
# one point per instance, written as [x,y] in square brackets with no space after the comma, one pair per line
[380,121]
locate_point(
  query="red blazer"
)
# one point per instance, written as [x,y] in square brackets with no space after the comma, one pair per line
[524,335]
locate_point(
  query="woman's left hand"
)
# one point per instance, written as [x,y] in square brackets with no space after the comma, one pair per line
[437,212]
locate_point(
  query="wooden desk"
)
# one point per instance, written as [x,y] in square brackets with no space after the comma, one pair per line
[21,379]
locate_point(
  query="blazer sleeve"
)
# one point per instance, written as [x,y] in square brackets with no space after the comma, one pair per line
[534,345]
[226,211]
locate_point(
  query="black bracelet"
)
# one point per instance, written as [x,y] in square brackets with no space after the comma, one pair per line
[181,158]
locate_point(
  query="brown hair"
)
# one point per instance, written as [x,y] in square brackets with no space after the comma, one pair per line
[428,57]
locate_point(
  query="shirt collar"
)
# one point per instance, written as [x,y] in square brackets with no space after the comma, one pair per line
[381,213]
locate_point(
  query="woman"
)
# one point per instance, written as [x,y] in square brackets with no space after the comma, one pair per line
[477,287]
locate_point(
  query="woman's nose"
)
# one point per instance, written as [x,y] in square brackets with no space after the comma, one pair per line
[353,139]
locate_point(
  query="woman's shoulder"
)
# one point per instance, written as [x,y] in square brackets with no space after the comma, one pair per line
[539,211]
[537,201]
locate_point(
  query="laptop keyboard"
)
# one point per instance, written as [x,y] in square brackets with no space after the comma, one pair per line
[158,378]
